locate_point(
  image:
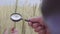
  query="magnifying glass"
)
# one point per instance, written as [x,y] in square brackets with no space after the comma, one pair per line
[18,17]
[15,17]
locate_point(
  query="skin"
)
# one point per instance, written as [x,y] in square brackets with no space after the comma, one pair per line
[12,31]
[36,26]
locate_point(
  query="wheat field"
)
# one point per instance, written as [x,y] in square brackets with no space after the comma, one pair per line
[26,11]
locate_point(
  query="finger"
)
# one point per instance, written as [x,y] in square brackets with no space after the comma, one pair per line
[12,29]
[42,32]
[38,29]
[6,31]
[48,31]
[30,23]
[35,25]
[35,19]
[15,31]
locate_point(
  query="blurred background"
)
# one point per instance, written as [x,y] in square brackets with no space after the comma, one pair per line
[27,8]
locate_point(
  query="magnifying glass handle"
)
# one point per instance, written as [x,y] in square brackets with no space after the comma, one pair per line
[30,21]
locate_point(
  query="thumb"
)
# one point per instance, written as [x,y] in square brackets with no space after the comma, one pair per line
[14,31]
[6,31]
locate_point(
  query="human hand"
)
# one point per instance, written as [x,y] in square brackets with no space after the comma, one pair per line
[12,31]
[39,25]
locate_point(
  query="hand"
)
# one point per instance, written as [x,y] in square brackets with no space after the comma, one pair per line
[13,31]
[39,25]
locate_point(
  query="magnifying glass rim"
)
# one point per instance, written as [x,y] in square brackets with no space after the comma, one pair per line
[16,20]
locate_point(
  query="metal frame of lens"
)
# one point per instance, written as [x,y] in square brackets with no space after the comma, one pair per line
[16,20]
